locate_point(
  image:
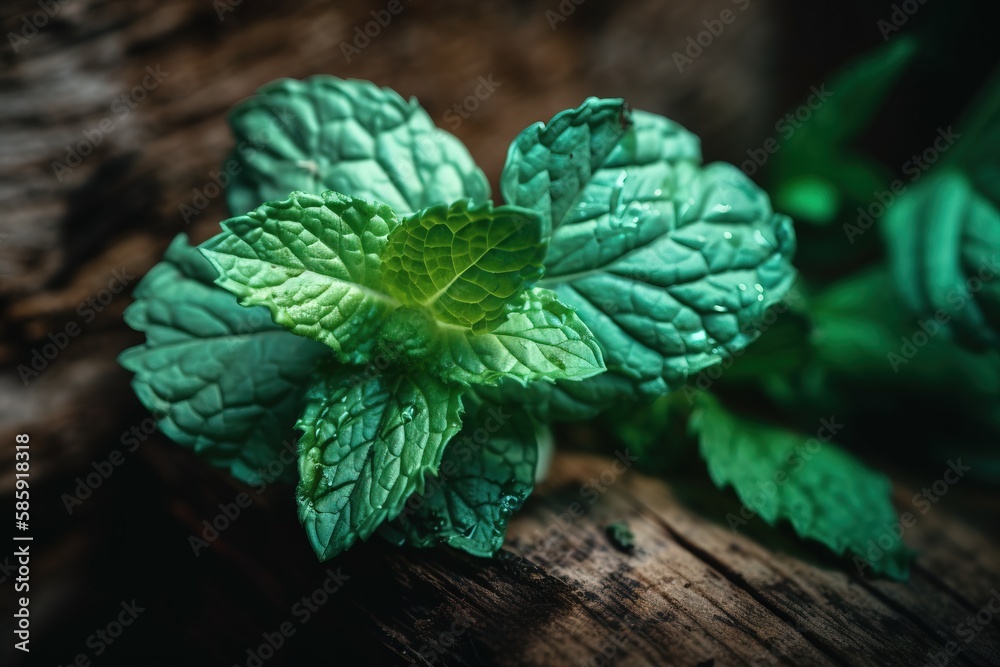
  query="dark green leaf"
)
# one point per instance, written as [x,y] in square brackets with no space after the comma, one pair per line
[326,133]
[944,241]
[825,493]
[367,444]
[487,471]
[224,379]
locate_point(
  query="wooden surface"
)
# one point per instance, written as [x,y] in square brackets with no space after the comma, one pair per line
[692,593]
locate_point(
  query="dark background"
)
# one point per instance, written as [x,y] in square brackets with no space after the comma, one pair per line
[60,240]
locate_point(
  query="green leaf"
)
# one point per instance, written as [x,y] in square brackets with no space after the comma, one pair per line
[860,328]
[541,340]
[943,239]
[668,264]
[573,166]
[466,263]
[620,535]
[479,486]
[825,493]
[222,379]
[367,444]
[349,136]
[313,261]
[675,285]
[562,401]
[814,172]
[656,432]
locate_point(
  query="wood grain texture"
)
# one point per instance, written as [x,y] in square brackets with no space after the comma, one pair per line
[692,593]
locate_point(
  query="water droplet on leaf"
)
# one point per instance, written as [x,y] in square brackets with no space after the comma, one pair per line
[407,414]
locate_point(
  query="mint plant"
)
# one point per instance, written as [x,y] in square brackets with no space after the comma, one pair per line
[420,338]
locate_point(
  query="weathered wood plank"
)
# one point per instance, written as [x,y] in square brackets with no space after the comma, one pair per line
[833,608]
[692,593]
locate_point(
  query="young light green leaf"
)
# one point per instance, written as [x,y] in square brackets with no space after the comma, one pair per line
[314,262]
[222,379]
[944,240]
[676,283]
[466,263]
[541,340]
[572,167]
[825,493]
[479,486]
[367,444]
[325,133]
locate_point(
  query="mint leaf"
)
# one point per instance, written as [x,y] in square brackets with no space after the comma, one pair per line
[572,167]
[465,262]
[679,283]
[325,133]
[562,401]
[222,379]
[313,261]
[479,486]
[825,493]
[670,265]
[944,239]
[541,340]
[366,446]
